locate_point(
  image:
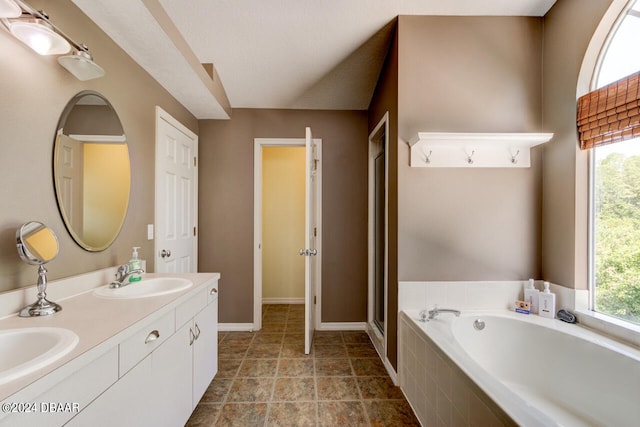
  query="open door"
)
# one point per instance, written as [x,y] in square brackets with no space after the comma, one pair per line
[310,250]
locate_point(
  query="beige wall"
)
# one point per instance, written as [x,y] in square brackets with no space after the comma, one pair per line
[568,28]
[283,207]
[226,205]
[35,90]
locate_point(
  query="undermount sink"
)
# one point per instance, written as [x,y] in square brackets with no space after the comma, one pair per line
[26,350]
[145,288]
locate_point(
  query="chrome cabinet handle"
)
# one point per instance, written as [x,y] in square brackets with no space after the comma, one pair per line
[165,253]
[192,337]
[153,335]
[197,331]
[213,291]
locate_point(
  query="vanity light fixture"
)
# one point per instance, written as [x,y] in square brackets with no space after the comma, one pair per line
[9,9]
[34,29]
[81,65]
[39,36]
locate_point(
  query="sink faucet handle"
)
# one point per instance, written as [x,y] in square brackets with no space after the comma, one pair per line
[122,272]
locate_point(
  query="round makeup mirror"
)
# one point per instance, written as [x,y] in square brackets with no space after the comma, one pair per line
[92,173]
[37,245]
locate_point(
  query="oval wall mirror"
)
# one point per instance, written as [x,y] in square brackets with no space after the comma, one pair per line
[92,173]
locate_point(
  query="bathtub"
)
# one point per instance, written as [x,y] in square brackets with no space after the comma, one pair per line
[539,372]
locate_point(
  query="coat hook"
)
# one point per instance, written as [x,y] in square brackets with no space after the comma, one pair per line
[428,157]
[513,157]
[469,157]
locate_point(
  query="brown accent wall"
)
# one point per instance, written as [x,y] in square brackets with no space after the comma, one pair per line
[385,99]
[461,74]
[226,205]
[568,28]
[469,74]
[35,90]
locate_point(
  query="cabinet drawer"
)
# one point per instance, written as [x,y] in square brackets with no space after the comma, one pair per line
[212,291]
[143,342]
[187,310]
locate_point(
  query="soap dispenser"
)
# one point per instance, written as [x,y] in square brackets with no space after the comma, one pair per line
[135,264]
[531,296]
[547,303]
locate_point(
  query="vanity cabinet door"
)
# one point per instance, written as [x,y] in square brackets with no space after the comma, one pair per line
[156,392]
[205,350]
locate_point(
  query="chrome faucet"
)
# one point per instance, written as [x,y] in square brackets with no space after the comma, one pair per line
[123,274]
[426,315]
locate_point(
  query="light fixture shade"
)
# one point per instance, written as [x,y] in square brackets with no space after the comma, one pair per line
[9,9]
[39,37]
[81,65]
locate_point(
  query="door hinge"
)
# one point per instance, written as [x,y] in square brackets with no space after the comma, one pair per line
[314,299]
[195,162]
[194,232]
[315,232]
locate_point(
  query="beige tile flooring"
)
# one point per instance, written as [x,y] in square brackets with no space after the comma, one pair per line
[265,379]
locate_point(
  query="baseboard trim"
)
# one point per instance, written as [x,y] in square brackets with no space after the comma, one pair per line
[235,327]
[342,326]
[282,301]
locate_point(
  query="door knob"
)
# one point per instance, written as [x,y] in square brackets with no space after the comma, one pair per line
[308,252]
[165,253]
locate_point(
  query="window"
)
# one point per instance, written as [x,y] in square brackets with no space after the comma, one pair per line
[615,186]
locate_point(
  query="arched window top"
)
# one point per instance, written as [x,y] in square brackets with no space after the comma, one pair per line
[620,57]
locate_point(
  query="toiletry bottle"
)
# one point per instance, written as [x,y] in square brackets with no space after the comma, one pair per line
[531,296]
[547,303]
[135,264]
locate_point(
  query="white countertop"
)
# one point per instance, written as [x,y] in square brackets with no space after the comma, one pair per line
[100,324]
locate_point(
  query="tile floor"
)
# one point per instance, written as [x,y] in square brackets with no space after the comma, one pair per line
[265,379]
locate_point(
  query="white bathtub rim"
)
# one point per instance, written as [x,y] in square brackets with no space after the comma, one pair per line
[520,410]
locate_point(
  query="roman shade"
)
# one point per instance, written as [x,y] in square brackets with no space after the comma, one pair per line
[610,114]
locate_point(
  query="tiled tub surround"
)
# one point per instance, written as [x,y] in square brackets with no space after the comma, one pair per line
[439,392]
[101,324]
[541,372]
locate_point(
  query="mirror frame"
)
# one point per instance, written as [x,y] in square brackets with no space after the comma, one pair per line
[59,129]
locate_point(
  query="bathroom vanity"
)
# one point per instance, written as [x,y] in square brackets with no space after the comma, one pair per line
[139,360]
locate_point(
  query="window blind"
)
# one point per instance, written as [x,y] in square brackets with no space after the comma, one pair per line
[610,114]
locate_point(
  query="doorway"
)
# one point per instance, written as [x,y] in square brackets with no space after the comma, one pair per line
[271,148]
[378,231]
[283,198]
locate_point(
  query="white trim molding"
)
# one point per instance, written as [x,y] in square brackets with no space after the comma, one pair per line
[235,327]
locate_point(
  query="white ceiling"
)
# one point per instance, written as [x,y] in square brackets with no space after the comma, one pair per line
[303,54]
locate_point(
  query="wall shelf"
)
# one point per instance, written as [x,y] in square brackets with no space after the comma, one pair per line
[475,150]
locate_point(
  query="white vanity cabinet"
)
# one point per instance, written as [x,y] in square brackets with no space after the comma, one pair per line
[205,350]
[162,386]
[156,392]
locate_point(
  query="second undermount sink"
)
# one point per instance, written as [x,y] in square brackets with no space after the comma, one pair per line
[145,288]
[25,350]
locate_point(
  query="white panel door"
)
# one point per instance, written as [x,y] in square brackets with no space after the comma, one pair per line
[176,196]
[69,166]
[310,250]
